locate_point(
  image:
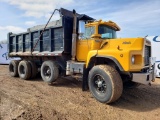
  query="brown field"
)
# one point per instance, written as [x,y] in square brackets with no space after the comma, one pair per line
[36,100]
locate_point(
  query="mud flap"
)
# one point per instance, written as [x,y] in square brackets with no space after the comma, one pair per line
[85,80]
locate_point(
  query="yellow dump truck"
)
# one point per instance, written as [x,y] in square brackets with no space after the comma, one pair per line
[79,46]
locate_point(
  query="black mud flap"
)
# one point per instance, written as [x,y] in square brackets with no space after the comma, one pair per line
[85,80]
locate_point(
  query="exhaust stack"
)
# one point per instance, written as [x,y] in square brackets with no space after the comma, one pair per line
[74,35]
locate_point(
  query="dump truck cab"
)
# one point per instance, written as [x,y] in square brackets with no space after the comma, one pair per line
[100,40]
[93,35]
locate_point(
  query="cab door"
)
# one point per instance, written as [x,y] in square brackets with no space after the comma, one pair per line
[83,47]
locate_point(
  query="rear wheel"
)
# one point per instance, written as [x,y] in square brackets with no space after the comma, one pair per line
[105,83]
[34,69]
[13,68]
[24,70]
[49,71]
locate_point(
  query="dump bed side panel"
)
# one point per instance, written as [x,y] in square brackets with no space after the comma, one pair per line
[54,40]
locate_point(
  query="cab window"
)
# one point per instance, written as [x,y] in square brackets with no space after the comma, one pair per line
[89,31]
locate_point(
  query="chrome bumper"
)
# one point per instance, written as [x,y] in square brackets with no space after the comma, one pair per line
[147,77]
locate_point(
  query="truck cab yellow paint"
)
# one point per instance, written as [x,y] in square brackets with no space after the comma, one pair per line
[122,49]
[85,46]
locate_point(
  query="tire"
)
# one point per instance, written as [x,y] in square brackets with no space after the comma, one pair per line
[13,68]
[24,70]
[105,83]
[49,71]
[130,85]
[158,66]
[34,69]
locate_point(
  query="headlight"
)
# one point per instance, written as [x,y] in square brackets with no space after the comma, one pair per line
[133,59]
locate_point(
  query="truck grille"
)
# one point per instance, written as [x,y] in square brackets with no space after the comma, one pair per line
[147,55]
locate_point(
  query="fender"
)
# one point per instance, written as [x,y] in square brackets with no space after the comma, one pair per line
[93,55]
[90,55]
[114,60]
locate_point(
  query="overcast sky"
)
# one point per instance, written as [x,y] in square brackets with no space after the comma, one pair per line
[137,18]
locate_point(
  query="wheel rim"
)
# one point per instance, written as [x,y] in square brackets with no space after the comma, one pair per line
[100,84]
[47,71]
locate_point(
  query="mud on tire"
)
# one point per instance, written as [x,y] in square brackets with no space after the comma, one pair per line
[13,68]
[105,83]
[24,70]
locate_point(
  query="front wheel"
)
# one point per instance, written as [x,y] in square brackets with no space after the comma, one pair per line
[105,83]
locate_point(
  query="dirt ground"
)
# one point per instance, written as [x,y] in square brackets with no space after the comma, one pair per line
[36,100]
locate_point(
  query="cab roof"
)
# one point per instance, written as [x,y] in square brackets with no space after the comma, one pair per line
[108,23]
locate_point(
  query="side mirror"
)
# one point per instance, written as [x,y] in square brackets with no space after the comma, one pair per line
[81,30]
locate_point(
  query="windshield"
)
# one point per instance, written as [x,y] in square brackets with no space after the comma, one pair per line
[106,31]
[89,31]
